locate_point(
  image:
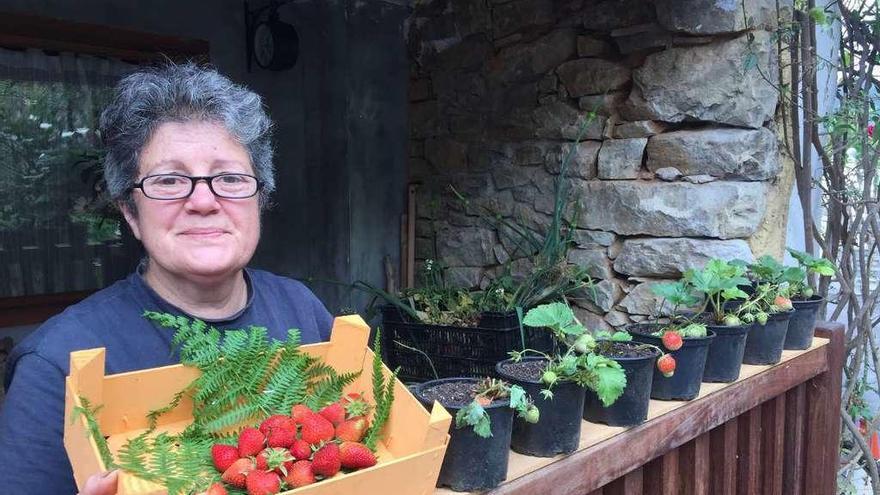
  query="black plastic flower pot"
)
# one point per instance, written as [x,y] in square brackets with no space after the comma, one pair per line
[471,462]
[631,408]
[690,361]
[802,324]
[559,429]
[724,361]
[764,343]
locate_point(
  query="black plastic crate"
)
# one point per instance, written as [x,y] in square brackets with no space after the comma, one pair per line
[454,351]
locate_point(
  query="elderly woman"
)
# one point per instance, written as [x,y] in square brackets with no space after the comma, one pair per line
[189,163]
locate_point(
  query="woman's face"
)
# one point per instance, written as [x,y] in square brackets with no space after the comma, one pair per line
[201,238]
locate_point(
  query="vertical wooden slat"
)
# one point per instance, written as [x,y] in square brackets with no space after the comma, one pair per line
[723,457]
[661,475]
[748,472]
[774,438]
[693,465]
[793,458]
[629,484]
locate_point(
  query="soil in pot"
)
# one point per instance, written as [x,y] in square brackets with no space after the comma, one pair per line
[802,324]
[559,429]
[471,462]
[690,362]
[631,408]
[764,343]
[724,361]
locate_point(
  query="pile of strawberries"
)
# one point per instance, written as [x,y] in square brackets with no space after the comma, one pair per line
[296,450]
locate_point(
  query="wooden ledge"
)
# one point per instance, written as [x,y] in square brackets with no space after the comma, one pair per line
[606,453]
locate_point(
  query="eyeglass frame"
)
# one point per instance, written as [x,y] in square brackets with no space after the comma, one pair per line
[193,181]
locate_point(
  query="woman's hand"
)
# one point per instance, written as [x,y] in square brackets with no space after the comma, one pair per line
[101,484]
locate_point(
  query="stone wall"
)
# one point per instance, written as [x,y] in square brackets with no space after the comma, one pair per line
[675,168]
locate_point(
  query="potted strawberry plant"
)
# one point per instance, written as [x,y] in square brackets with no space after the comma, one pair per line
[686,340]
[718,283]
[558,382]
[637,361]
[769,312]
[479,443]
[805,302]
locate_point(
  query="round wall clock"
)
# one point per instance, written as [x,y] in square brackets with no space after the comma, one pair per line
[275,45]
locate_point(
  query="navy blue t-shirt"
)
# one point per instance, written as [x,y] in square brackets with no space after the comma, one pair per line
[31,420]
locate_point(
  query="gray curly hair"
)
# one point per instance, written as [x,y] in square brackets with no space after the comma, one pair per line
[180,93]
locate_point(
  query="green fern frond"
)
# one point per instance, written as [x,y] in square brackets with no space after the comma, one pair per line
[383,395]
[90,413]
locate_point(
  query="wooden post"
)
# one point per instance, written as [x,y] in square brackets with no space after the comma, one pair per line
[823,415]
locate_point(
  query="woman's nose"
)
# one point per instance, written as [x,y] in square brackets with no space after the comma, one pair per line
[202,198]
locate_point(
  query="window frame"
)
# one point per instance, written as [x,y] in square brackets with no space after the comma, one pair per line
[23,31]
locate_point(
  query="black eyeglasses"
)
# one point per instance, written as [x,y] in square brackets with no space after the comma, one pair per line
[174,186]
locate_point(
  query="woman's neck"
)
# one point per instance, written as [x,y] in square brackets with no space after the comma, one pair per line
[209,300]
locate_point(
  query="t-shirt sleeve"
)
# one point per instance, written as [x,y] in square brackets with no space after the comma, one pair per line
[32,430]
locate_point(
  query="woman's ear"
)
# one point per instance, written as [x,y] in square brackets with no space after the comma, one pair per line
[131,219]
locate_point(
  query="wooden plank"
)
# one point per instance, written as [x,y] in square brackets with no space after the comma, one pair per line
[793,458]
[823,415]
[598,464]
[661,475]
[723,463]
[774,442]
[749,453]
[31,31]
[630,484]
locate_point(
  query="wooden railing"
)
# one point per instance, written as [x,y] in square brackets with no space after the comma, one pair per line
[774,431]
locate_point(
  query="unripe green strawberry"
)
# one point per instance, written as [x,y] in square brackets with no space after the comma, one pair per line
[761,318]
[549,377]
[581,344]
[732,321]
[666,365]
[672,340]
[748,318]
[532,414]
[808,292]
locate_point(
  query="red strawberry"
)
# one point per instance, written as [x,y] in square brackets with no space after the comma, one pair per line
[282,436]
[353,455]
[236,474]
[299,411]
[352,430]
[326,460]
[250,442]
[262,483]
[354,405]
[300,474]
[666,365]
[217,489]
[316,428]
[301,450]
[223,456]
[333,413]
[273,459]
[275,421]
[672,340]
[784,303]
